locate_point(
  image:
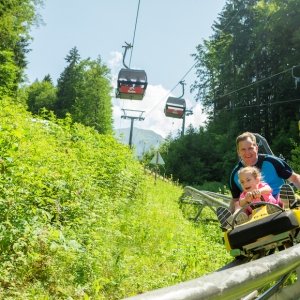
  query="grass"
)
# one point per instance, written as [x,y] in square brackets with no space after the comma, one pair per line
[168,248]
[80,220]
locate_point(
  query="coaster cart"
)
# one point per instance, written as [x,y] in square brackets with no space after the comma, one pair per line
[131,83]
[269,228]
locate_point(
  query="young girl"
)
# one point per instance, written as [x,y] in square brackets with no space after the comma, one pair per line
[254,189]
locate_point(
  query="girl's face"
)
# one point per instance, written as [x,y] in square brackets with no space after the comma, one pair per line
[248,181]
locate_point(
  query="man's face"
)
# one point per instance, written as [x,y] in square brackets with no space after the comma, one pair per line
[248,152]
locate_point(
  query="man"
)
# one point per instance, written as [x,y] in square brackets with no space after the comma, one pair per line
[273,169]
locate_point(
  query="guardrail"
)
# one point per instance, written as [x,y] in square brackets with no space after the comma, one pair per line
[200,199]
[238,281]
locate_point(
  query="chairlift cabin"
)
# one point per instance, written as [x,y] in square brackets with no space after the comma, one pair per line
[132,84]
[175,108]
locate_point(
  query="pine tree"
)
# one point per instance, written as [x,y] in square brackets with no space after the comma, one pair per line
[68,84]
[252,42]
[83,90]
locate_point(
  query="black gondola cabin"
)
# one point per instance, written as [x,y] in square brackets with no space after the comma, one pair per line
[175,107]
[132,84]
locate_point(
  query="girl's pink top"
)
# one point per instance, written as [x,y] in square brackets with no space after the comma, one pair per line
[267,197]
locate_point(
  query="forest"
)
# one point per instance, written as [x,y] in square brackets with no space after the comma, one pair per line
[247,80]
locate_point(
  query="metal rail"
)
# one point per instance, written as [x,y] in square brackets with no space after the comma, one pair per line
[200,199]
[205,197]
[238,281]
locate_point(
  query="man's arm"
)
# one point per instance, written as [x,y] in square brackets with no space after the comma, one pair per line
[295,179]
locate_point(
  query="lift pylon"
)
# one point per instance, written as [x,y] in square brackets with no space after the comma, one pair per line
[135,115]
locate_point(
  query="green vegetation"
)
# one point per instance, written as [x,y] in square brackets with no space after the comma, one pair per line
[17,17]
[244,82]
[83,91]
[79,218]
[244,75]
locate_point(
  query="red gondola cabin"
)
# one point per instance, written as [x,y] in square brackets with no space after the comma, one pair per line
[175,107]
[132,84]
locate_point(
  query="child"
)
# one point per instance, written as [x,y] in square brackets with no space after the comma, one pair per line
[254,189]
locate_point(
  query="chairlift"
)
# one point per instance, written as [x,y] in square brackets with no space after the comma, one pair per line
[132,83]
[176,107]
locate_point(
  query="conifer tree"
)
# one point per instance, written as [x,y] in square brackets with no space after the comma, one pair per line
[253,41]
[83,90]
[68,84]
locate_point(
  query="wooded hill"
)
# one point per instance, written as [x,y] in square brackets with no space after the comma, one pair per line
[248,79]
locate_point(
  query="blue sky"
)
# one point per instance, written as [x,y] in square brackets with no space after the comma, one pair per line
[167,33]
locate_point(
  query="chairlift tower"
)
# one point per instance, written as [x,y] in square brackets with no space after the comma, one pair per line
[135,115]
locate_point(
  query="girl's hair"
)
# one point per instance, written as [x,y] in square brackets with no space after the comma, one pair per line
[255,172]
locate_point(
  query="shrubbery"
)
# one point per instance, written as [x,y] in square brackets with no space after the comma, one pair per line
[80,220]
[64,189]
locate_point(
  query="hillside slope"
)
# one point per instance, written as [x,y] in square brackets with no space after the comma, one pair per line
[80,220]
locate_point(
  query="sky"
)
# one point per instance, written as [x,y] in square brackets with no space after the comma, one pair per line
[166,34]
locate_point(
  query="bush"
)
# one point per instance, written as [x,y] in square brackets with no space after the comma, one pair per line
[80,220]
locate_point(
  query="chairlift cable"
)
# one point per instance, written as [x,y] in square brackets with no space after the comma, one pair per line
[132,83]
[254,83]
[229,22]
[259,105]
[187,72]
[136,19]
[169,93]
